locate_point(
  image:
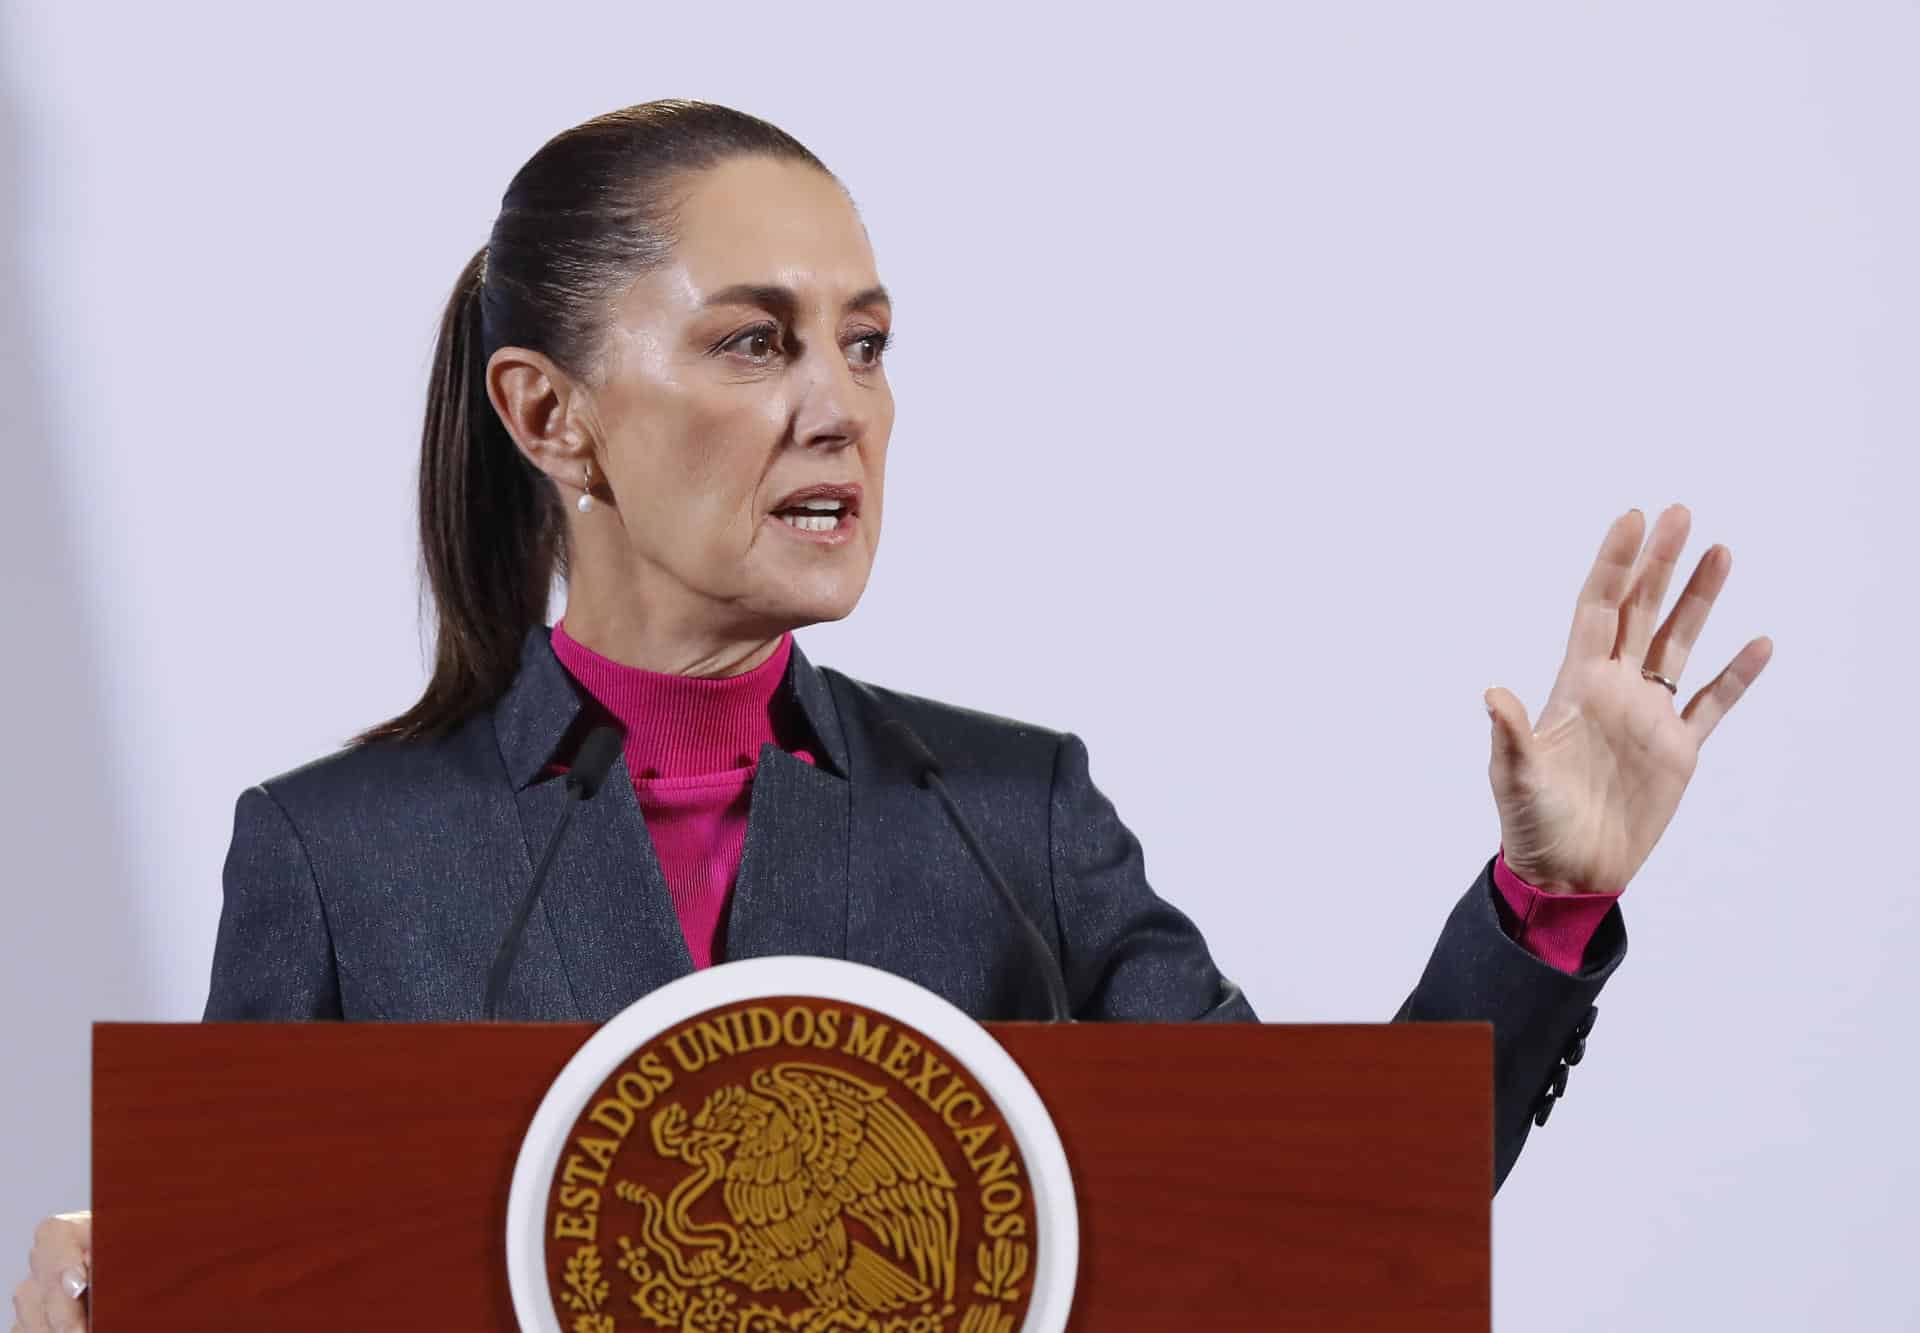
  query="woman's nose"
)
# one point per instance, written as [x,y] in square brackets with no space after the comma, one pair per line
[831,413]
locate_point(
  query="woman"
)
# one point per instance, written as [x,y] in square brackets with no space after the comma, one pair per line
[663,379]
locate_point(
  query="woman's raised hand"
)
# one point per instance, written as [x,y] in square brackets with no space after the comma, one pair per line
[1585,793]
[59,1270]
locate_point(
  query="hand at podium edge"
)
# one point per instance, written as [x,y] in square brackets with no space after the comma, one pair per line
[53,1299]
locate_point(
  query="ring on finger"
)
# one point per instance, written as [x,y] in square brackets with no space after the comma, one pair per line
[1656,676]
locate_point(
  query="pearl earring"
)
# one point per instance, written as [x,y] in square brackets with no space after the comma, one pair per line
[586,495]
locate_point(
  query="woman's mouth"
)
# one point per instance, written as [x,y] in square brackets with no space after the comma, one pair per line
[822,514]
[824,522]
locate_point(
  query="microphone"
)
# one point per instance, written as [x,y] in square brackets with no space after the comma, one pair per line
[927,774]
[589,769]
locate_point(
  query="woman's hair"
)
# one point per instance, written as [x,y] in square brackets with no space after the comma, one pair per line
[590,212]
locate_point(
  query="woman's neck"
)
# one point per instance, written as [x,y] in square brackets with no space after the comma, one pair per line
[655,646]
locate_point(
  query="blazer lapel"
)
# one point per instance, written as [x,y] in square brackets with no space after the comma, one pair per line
[790,896]
[606,899]
[606,903]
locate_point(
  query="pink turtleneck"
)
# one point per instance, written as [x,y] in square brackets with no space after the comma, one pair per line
[1553,927]
[693,744]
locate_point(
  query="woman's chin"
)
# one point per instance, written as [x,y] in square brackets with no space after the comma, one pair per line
[801,586]
[820,609]
[815,599]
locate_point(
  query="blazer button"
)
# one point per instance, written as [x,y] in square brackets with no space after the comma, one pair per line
[1542,1109]
[1576,1051]
[1559,1084]
[1585,1025]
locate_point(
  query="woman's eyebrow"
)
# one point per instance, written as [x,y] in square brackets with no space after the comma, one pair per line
[783,302]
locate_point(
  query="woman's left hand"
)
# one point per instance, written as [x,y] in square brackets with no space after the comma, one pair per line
[1586,792]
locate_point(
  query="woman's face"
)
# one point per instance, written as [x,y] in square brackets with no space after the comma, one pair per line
[745,370]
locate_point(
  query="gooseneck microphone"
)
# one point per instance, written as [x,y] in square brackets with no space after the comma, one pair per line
[927,774]
[589,769]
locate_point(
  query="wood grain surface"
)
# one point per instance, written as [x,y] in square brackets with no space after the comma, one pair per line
[330,1176]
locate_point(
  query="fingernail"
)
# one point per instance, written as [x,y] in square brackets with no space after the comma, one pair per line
[74,1281]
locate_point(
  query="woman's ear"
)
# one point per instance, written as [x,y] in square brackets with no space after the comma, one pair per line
[540,405]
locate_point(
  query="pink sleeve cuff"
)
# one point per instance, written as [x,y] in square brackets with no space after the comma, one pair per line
[1553,927]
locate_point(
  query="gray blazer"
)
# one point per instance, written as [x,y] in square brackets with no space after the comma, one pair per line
[375,884]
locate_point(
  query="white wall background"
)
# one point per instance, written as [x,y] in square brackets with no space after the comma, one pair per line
[1315,347]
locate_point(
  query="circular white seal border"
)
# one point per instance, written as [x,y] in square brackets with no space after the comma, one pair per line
[1055,1210]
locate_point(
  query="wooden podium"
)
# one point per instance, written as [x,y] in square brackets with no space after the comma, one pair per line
[336,1176]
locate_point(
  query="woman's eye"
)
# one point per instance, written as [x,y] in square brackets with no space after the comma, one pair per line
[869,348]
[756,343]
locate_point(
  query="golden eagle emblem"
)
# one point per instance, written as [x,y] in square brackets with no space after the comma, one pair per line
[786,1165]
[796,1154]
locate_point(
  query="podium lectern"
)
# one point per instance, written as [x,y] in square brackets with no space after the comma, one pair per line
[354,1176]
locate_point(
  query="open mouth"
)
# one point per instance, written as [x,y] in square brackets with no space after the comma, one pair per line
[815,515]
[823,512]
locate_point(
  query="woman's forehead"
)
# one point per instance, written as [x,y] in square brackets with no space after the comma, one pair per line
[761,223]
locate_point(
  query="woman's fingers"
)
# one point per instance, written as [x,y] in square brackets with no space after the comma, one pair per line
[60,1263]
[1671,647]
[40,1308]
[60,1243]
[60,1313]
[65,1315]
[26,1305]
[1641,609]
[1596,616]
[1704,711]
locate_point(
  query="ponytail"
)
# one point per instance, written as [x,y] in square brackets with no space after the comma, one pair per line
[491,529]
[587,215]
